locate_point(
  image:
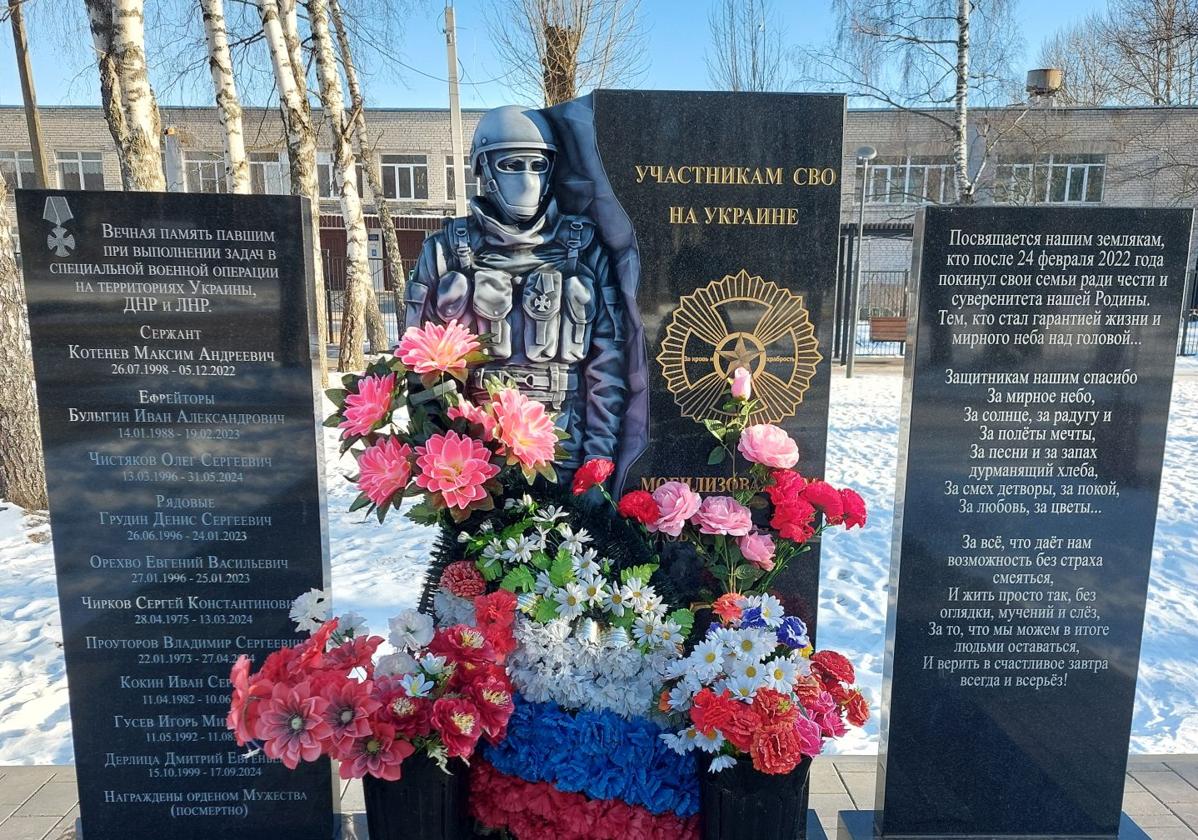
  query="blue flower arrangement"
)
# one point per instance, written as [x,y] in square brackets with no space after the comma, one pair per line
[598,754]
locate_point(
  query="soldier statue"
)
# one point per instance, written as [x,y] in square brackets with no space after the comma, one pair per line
[537,281]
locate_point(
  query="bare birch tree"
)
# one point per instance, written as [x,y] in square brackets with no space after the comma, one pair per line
[746,46]
[100,21]
[228,103]
[280,27]
[358,279]
[557,49]
[374,319]
[22,472]
[922,56]
[142,126]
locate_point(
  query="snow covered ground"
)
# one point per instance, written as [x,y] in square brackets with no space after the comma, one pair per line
[377,572]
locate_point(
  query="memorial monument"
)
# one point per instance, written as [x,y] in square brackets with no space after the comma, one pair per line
[1037,393]
[173,348]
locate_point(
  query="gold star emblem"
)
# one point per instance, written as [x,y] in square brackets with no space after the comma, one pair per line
[741,355]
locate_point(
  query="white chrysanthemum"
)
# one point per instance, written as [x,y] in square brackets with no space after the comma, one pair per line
[644,629]
[451,609]
[573,541]
[394,664]
[680,698]
[415,685]
[595,590]
[633,591]
[743,687]
[772,611]
[712,743]
[707,659]
[310,610]
[411,630]
[668,633]
[780,674]
[586,564]
[748,669]
[721,762]
[351,625]
[518,550]
[571,600]
[753,645]
[616,603]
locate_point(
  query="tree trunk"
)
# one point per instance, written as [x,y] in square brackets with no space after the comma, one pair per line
[390,239]
[357,261]
[301,145]
[33,117]
[22,472]
[100,20]
[376,330]
[961,107]
[228,105]
[143,139]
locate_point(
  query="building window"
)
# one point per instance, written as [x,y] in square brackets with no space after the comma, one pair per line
[1050,179]
[473,185]
[16,168]
[327,176]
[405,177]
[80,171]
[268,174]
[205,172]
[911,180]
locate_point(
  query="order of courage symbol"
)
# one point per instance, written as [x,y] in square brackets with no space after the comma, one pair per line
[741,320]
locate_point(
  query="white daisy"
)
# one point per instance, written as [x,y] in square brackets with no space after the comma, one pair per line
[749,669]
[616,603]
[681,742]
[411,630]
[518,550]
[633,591]
[743,687]
[680,698]
[712,743]
[595,590]
[415,685]
[707,659]
[548,514]
[573,541]
[571,600]
[780,674]
[543,585]
[644,629]
[668,633]
[586,564]
[772,612]
[487,525]
[753,645]
[721,762]
[652,602]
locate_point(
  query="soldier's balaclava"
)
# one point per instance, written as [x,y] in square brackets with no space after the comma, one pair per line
[512,154]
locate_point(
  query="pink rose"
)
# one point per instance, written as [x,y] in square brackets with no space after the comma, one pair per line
[723,515]
[742,384]
[677,503]
[811,740]
[758,549]
[769,445]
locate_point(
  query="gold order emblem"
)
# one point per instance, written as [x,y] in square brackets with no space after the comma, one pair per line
[739,321]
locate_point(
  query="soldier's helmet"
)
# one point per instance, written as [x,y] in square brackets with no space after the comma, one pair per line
[510,127]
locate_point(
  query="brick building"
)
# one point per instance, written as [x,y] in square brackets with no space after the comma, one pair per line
[1083,156]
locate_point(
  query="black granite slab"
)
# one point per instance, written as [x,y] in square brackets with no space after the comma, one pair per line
[1037,396]
[735,203]
[172,347]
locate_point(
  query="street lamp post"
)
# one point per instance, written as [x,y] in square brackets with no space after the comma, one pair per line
[864,155]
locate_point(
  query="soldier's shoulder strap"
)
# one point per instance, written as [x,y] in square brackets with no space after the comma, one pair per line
[576,232]
[457,237]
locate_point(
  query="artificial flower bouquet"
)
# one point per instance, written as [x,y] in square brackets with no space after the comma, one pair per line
[753,690]
[439,693]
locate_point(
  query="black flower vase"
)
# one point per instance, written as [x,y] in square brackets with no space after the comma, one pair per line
[425,804]
[741,803]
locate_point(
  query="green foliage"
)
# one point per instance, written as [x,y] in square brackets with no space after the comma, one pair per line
[684,618]
[562,570]
[644,572]
[546,611]
[519,579]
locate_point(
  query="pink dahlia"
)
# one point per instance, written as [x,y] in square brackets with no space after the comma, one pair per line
[292,725]
[350,706]
[525,428]
[384,469]
[723,515]
[437,349]
[379,753]
[456,467]
[677,503]
[474,416]
[768,445]
[365,409]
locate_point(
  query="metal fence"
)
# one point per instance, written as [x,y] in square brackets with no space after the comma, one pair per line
[390,299]
[883,294]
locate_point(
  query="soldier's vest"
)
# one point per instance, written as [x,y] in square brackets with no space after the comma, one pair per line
[555,290]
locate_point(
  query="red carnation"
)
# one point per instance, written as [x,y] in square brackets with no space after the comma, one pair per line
[459,723]
[776,749]
[833,664]
[774,708]
[854,508]
[639,505]
[728,607]
[787,486]
[495,614]
[463,579]
[721,713]
[792,520]
[826,499]
[592,473]
[857,709]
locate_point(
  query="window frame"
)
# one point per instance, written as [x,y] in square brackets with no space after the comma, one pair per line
[903,172]
[395,167]
[18,158]
[474,184]
[264,162]
[221,177]
[76,159]
[1044,173]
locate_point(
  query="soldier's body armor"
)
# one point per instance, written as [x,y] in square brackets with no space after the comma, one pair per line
[553,315]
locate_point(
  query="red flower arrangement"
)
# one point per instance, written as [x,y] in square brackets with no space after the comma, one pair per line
[325,696]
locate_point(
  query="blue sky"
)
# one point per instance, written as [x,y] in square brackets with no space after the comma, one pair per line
[677,35]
